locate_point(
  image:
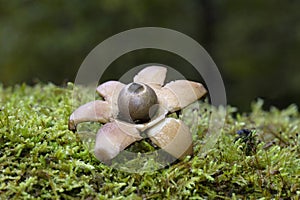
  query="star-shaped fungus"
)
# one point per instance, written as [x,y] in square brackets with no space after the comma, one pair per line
[140,108]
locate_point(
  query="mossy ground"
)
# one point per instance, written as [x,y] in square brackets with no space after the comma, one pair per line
[41,159]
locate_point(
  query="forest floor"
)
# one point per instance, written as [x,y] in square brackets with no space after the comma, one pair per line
[41,159]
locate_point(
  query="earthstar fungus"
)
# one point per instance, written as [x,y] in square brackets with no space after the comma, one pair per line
[127,111]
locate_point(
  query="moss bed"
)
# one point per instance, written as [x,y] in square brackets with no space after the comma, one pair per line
[41,159]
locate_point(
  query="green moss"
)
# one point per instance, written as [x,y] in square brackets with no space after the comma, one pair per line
[41,159]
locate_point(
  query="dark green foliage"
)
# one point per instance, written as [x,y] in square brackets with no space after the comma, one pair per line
[41,159]
[255,44]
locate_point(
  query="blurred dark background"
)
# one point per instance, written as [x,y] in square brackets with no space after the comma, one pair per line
[255,44]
